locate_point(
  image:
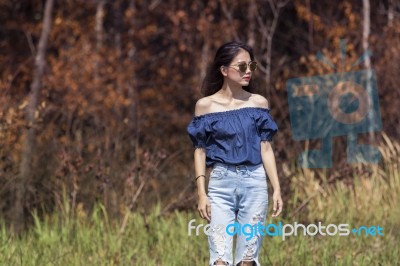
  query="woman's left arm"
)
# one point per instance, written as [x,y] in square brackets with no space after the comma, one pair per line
[268,159]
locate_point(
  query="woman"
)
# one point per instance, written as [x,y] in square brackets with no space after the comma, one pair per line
[231,131]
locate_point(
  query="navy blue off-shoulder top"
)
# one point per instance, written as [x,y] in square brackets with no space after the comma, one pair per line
[233,136]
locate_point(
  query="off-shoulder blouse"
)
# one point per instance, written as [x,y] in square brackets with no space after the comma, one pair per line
[234,136]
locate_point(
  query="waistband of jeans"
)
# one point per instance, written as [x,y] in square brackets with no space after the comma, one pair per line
[237,167]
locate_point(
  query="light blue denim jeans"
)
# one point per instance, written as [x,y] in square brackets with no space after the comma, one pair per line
[237,193]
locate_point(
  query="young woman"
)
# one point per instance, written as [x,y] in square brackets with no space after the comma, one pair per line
[231,131]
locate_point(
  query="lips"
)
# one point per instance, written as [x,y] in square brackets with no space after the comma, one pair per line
[246,78]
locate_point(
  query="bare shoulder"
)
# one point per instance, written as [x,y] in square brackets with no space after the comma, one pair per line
[259,101]
[203,106]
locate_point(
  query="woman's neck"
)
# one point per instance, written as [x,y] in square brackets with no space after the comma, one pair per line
[232,92]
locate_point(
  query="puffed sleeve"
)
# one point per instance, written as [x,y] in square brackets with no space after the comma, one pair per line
[197,131]
[266,126]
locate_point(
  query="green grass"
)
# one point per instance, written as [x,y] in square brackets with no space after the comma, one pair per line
[96,239]
[154,240]
[164,241]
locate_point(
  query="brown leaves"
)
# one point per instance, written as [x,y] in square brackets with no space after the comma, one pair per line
[148,67]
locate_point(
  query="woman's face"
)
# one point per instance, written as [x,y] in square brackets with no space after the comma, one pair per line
[232,71]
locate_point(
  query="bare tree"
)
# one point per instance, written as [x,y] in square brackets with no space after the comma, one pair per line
[132,92]
[366,31]
[367,62]
[390,13]
[99,36]
[268,29]
[133,116]
[205,51]
[118,20]
[228,14]
[206,19]
[310,28]
[24,177]
[251,17]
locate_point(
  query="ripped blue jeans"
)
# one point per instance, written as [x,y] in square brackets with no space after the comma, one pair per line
[237,193]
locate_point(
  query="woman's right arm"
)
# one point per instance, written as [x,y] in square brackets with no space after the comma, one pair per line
[203,206]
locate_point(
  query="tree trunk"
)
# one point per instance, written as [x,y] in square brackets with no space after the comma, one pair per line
[133,95]
[205,50]
[367,62]
[251,19]
[118,21]
[268,29]
[390,13]
[99,37]
[24,178]
[366,31]
[310,28]
[275,7]
[229,16]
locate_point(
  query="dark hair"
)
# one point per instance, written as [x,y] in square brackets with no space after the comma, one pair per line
[214,80]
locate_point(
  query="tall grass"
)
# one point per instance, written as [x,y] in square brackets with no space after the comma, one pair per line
[155,239]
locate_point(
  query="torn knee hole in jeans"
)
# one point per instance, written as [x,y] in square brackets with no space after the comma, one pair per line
[251,243]
[219,240]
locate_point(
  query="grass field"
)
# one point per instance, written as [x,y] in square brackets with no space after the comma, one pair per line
[96,239]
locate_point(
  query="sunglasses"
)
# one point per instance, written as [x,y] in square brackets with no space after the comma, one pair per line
[243,66]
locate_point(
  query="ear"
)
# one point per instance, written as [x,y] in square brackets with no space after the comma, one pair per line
[223,70]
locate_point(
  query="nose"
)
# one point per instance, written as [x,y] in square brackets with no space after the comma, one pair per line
[248,71]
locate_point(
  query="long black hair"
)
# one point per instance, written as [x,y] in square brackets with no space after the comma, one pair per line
[214,79]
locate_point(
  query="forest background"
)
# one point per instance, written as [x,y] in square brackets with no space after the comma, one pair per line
[95,97]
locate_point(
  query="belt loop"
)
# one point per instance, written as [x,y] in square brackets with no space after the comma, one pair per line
[248,170]
[226,168]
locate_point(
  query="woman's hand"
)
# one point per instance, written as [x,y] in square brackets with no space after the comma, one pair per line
[277,203]
[204,207]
